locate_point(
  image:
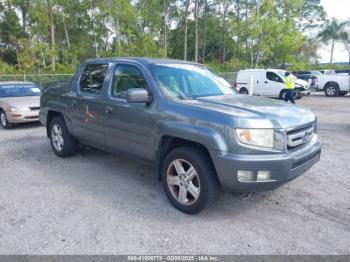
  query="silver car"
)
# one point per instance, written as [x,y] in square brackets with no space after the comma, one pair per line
[19,102]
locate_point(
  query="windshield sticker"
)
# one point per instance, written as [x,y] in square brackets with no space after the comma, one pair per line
[35,90]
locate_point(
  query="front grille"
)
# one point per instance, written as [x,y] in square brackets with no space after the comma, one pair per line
[300,137]
[33,108]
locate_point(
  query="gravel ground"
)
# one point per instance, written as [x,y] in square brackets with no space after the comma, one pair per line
[98,203]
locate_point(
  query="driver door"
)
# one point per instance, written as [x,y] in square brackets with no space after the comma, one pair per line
[272,85]
[129,127]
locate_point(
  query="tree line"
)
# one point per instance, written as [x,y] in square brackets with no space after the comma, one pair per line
[56,35]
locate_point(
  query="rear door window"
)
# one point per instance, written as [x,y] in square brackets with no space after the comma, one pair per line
[93,77]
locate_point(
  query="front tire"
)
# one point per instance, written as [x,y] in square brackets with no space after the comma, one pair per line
[343,93]
[4,121]
[189,179]
[283,94]
[62,143]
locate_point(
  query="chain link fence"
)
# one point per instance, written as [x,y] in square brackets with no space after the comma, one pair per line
[229,76]
[40,79]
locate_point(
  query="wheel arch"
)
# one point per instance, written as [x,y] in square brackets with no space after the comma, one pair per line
[169,143]
[51,114]
[330,83]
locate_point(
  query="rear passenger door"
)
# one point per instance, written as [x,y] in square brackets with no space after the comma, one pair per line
[129,127]
[87,108]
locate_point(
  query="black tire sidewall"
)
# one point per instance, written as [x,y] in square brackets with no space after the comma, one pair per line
[336,90]
[283,94]
[69,145]
[209,184]
[243,91]
[8,125]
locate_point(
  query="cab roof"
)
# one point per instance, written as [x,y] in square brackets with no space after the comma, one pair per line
[140,60]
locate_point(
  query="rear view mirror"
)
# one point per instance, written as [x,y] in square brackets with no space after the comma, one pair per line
[138,95]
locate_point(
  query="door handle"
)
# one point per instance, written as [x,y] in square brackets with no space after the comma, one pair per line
[266,82]
[109,110]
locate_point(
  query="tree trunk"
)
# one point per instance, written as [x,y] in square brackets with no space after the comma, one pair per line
[24,20]
[66,31]
[51,28]
[332,51]
[196,31]
[246,30]
[165,37]
[238,27]
[205,30]
[224,35]
[186,30]
[258,51]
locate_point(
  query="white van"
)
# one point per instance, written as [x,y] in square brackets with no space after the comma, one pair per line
[269,83]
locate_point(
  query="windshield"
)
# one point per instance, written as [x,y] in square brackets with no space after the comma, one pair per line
[282,73]
[185,81]
[19,90]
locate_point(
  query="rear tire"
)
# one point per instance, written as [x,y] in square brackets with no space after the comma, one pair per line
[331,90]
[62,143]
[189,179]
[243,91]
[4,121]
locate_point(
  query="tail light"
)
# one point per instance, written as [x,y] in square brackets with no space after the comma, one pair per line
[235,84]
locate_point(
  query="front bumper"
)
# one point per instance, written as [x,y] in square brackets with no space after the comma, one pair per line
[283,167]
[23,117]
[306,92]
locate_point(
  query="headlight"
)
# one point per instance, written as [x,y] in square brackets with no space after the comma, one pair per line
[256,137]
[19,109]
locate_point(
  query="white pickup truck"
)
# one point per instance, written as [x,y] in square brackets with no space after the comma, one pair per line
[331,84]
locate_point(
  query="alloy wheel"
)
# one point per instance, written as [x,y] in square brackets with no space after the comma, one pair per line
[183,182]
[3,119]
[331,90]
[57,137]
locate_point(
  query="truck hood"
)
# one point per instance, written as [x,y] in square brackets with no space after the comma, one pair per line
[25,101]
[279,113]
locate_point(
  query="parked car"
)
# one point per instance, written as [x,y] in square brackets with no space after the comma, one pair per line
[328,72]
[188,122]
[269,83]
[311,79]
[343,71]
[19,102]
[331,84]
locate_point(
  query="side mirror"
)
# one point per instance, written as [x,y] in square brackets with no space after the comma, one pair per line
[138,95]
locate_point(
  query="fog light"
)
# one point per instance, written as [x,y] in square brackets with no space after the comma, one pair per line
[246,176]
[263,176]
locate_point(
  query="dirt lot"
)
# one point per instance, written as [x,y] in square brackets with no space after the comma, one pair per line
[97,203]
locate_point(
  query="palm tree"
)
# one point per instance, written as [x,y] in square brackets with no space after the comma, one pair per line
[333,31]
[346,42]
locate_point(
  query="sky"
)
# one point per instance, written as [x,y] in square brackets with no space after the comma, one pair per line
[340,9]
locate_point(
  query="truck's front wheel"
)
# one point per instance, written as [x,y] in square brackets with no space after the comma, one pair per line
[189,179]
[61,141]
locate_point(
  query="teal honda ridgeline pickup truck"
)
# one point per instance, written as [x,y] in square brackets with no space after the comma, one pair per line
[199,133]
